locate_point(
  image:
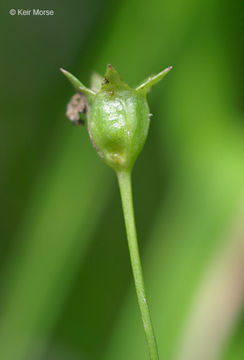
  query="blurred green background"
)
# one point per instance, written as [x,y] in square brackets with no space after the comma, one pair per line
[66,289]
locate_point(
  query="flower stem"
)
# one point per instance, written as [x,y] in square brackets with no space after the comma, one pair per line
[124,179]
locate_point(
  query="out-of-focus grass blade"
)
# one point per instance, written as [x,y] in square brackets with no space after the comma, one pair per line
[234,348]
[218,301]
[64,211]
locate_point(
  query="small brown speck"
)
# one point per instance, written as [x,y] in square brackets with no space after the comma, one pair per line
[105,81]
[76,106]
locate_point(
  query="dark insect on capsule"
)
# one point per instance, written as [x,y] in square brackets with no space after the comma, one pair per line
[77,109]
[105,81]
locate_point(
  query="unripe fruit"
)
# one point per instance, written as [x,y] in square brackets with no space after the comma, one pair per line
[118,122]
[118,118]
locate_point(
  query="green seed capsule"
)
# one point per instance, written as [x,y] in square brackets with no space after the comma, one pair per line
[118,118]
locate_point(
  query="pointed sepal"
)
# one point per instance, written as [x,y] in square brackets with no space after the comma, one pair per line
[77,84]
[152,80]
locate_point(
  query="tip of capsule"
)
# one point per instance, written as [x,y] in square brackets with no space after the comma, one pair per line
[112,77]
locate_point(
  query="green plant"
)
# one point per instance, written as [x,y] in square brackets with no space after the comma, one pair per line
[118,120]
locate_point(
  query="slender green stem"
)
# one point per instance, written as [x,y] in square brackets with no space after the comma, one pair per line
[124,179]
